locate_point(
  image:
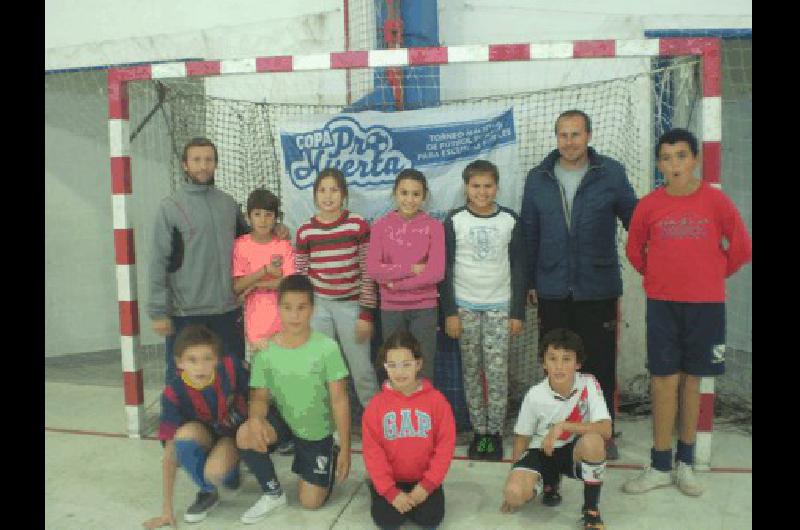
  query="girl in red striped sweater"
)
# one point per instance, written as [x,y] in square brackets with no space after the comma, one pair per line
[331,249]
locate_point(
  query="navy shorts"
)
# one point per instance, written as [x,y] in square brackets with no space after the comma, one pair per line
[685,337]
[314,460]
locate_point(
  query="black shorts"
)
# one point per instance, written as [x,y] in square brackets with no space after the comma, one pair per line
[314,460]
[429,514]
[685,337]
[550,467]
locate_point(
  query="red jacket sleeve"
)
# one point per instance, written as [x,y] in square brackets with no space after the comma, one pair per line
[740,246]
[378,467]
[445,444]
[636,248]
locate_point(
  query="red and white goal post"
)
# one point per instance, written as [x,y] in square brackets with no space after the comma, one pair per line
[705,49]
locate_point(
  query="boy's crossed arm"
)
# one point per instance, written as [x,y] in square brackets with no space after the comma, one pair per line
[601,427]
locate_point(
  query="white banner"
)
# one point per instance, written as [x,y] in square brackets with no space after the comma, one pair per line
[371,148]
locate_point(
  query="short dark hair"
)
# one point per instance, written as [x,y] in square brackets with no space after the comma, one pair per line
[337,175]
[411,174]
[479,167]
[562,339]
[573,113]
[196,335]
[296,283]
[674,136]
[400,338]
[265,200]
[199,142]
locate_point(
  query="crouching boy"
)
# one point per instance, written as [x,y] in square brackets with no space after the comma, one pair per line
[561,430]
[305,374]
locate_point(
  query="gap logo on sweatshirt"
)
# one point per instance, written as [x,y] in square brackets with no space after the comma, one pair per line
[391,431]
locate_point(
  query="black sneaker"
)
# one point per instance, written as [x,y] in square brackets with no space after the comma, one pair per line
[475,450]
[204,502]
[591,520]
[612,452]
[551,496]
[493,450]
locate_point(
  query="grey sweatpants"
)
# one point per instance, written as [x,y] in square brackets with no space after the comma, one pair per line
[337,319]
[422,324]
[484,349]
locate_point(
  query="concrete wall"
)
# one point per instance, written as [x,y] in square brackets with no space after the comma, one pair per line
[80,294]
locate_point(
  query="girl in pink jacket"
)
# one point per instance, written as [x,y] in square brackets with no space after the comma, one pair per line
[406,259]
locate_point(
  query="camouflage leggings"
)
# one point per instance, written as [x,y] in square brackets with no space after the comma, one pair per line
[484,349]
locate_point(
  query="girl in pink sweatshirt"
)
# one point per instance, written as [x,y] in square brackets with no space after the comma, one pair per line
[408,437]
[406,259]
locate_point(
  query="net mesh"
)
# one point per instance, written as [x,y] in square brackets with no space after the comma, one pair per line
[627,112]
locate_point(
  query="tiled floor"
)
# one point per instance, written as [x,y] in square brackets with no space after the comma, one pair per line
[97,481]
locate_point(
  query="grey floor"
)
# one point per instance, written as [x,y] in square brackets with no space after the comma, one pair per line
[96,478]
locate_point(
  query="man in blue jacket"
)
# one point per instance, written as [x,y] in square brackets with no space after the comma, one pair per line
[570,208]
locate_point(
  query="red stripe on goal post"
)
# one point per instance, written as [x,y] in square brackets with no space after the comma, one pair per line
[202,68]
[705,422]
[706,47]
[128,318]
[355,59]
[427,55]
[121,175]
[133,385]
[278,63]
[594,48]
[123,246]
[117,91]
[510,52]
[712,162]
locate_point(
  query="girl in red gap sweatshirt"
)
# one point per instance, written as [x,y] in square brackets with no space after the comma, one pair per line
[408,439]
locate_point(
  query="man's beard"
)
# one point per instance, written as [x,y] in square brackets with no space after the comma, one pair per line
[191,179]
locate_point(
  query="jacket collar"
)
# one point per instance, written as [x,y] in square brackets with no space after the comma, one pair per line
[425,386]
[549,163]
[191,187]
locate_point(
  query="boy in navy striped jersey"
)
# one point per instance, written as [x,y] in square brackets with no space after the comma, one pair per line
[201,409]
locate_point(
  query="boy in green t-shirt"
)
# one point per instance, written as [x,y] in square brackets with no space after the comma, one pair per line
[304,373]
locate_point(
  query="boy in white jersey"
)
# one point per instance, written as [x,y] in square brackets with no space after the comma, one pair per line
[561,430]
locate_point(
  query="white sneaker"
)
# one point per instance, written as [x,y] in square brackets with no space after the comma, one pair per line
[262,507]
[647,480]
[687,482]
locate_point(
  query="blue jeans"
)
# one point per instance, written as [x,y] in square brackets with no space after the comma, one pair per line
[228,326]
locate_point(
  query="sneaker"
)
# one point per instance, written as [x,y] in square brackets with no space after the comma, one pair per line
[551,496]
[612,453]
[684,477]
[591,519]
[203,503]
[286,448]
[493,450]
[647,480]
[475,451]
[262,507]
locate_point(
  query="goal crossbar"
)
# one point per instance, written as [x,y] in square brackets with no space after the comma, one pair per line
[705,48]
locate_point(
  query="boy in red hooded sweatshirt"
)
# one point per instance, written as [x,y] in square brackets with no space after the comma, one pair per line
[408,439]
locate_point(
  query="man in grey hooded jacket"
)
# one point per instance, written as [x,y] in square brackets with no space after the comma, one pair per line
[190,267]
